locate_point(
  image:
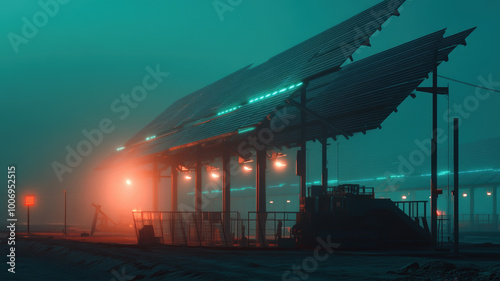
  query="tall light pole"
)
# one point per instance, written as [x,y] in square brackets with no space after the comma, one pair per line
[65,229]
[29,201]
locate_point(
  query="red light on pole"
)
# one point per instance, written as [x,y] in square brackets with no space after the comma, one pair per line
[29,201]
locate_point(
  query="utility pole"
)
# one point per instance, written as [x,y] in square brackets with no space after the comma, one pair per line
[65,229]
[28,219]
[434,155]
[455,185]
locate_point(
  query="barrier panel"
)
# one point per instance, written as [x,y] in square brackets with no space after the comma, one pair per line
[211,229]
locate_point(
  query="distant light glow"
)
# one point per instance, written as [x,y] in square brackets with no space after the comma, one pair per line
[279,164]
[215,175]
[464,195]
[29,200]
[287,201]
[187,177]
[128,182]
[271,202]
[120,148]
[488,193]
[247,168]
[150,138]
[403,197]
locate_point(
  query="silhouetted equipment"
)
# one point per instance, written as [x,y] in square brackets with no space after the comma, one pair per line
[103,220]
[350,215]
[147,236]
[305,93]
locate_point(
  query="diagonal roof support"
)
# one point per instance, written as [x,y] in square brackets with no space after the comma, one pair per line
[440,90]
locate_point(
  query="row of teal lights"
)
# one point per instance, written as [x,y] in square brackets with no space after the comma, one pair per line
[283,90]
[147,139]
[229,110]
[257,99]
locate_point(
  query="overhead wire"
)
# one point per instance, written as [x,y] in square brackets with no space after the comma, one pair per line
[469,84]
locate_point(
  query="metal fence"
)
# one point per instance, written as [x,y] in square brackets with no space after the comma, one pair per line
[188,228]
[272,227]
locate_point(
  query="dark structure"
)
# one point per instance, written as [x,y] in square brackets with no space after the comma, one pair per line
[351,215]
[305,93]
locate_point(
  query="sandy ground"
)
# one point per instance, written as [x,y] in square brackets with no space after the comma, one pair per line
[50,257]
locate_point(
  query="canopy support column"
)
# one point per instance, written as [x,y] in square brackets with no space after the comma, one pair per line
[197,188]
[261,198]
[226,197]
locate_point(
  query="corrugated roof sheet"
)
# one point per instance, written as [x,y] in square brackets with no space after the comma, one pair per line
[363,94]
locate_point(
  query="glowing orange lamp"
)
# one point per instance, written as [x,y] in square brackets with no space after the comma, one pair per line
[29,200]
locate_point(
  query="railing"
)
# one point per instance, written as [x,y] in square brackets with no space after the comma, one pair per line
[350,189]
[271,227]
[188,228]
[414,209]
[479,218]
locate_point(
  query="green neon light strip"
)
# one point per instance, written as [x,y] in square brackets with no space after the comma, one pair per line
[254,100]
[244,130]
[150,138]
[229,110]
[120,148]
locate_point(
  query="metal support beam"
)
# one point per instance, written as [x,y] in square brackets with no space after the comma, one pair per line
[174,182]
[324,163]
[261,198]
[472,197]
[494,196]
[456,194]
[440,90]
[156,180]
[434,194]
[226,196]
[301,156]
[197,187]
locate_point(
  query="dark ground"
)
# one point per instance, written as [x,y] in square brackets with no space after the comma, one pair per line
[42,258]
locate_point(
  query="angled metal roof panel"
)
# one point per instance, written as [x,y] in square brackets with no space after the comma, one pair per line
[356,98]
[363,94]
[327,50]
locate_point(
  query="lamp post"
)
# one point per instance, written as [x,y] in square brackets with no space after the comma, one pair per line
[65,229]
[29,201]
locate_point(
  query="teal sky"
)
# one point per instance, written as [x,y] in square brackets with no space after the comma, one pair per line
[64,79]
